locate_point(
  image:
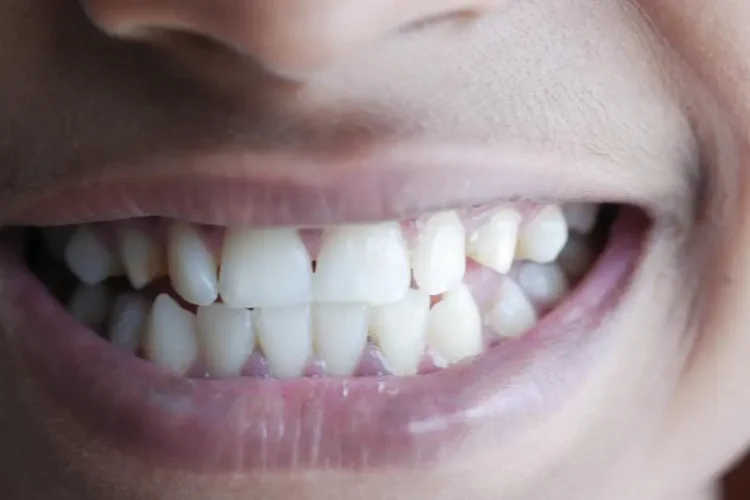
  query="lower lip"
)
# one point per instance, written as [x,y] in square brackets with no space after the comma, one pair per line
[356,423]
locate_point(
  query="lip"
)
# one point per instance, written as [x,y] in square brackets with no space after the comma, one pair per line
[356,423]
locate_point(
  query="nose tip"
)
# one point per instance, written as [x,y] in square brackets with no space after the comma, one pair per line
[289,37]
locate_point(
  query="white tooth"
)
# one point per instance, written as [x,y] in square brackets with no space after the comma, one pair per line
[141,256]
[265,268]
[542,239]
[285,335]
[90,305]
[581,217]
[400,330]
[439,259]
[226,338]
[171,341]
[340,333]
[365,264]
[192,267]
[576,258]
[127,321]
[511,313]
[543,284]
[454,326]
[88,258]
[494,244]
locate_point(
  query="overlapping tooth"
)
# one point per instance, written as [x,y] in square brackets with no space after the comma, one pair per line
[581,217]
[493,244]
[192,266]
[543,237]
[340,333]
[400,331]
[439,259]
[265,268]
[90,305]
[142,257]
[543,284]
[362,264]
[128,320]
[226,338]
[576,258]
[89,259]
[511,313]
[454,326]
[170,337]
[285,335]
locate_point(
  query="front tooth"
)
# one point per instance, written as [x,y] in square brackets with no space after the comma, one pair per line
[127,321]
[225,337]
[543,284]
[454,326]
[364,264]
[285,335]
[493,245]
[171,341]
[400,330]
[511,313]
[581,217]
[90,305]
[576,258]
[265,268]
[439,260]
[192,267]
[542,239]
[340,333]
[141,256]
[88,258]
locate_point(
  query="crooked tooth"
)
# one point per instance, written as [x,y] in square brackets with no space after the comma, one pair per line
[511,313]
[265,268]
[192,267]
[88,258]
[543,284]
[285,335]
[340,333]
[493,245]
[170,338]
[225,337]
[454,326]
[400,330]
[576,258]
[542,239]
[141,256]
[127,321]
[363,264]
[90,305]
[439,259]
[581,217]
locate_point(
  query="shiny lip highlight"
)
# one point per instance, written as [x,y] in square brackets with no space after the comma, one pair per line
[361,423]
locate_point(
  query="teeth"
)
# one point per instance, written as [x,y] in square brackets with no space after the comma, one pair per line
[340,332]
[542,239]
[494,244]
[141,256]
[400,330]
[576,258]
[127,321]
[511,313]
[171,341]
[192,267]
[581,217]
[226,338]
[90,305]
[439,260]
[265,268]
[543,284]
[285,336]
[363,264]
[88,258]
[454,327]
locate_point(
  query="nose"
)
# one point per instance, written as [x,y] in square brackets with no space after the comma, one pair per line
[285,36]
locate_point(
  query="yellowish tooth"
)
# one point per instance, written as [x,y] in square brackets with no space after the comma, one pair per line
[142,257]
[542,239]
[454,326]
[171,340]
[493,245]
[439,259]
[192,266]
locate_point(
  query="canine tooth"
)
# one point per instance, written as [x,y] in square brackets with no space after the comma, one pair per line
[454,326]
[511,313]
[576,258]
[127,321]
[285,335]
[171,341]
[265,268]
[340,332]
[363,264]
[141,256]
[192,267]
[88,258]
[439,259]
[90,305]
[581,217]
[225,338]
[543,284]
[542,239]
[493,245]
[400,330]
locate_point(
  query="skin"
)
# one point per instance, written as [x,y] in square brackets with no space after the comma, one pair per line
[658,88]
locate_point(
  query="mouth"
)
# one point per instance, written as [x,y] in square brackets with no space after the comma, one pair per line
[356,345]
